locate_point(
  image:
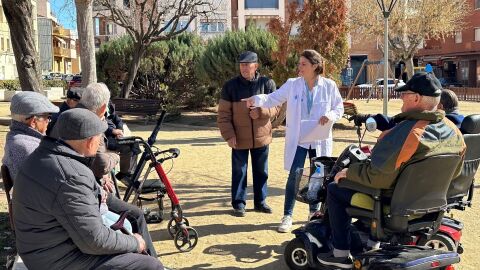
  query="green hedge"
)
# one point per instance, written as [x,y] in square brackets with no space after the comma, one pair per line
[11,85]
[14,85]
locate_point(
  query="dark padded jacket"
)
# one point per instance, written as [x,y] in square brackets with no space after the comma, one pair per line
[56,212]
[233,115]
[416,135]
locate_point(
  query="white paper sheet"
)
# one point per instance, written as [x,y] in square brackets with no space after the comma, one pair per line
[311,130]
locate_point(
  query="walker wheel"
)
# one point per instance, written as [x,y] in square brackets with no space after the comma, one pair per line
[173,228]
[186,239]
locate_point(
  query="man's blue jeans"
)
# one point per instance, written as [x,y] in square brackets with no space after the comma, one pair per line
[338,199]
[298,162]
[259,157]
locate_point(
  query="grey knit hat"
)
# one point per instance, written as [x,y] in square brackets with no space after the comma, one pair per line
[79,124]
[31,103]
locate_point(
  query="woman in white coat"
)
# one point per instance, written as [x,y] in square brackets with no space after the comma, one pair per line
[309,97]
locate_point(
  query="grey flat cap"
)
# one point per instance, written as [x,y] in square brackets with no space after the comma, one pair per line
[31,103]
[79,124]
[248,57]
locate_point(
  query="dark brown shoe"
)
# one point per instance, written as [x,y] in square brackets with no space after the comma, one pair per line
[263,208]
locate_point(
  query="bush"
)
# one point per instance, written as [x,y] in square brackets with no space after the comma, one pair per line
[219,61]
[54,83]
[166,71]
[11,85]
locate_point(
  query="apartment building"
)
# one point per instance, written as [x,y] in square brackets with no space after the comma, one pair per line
[456,58]
[57,45]
[207,27]
[257,13]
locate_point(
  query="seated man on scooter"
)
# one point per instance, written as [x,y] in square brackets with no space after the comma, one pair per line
[421,131]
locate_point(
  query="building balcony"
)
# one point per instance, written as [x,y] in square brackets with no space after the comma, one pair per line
[62,32]
[64,52]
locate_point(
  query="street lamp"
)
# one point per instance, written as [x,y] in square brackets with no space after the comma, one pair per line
[386,10]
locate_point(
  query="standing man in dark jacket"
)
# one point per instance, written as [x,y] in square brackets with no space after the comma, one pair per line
[56,205]
[247,130]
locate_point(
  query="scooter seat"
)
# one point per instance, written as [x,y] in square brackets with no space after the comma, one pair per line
[364,201]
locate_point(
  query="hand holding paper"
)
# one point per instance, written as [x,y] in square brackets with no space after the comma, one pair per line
[312,130]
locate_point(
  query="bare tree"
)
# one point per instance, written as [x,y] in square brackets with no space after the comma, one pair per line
[86,39]
[411,23]
[147,21]
[19,15]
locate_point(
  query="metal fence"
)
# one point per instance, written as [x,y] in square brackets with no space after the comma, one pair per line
[463,93]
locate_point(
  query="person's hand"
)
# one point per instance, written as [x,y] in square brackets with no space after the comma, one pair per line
[104,196]
[250,102]
[141,243]
[232,142]
[254,113]
[117,132]
[108,183]
[359,118]
[340,175]
[323,120]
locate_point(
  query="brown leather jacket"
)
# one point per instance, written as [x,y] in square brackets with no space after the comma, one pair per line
[233,115]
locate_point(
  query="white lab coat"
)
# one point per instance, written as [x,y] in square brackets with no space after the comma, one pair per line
[328,102]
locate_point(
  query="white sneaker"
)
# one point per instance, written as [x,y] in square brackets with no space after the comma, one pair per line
[285,225]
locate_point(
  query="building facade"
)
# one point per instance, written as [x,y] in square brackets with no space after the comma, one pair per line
[456,58]
[57,45]
[258,13]
[8,67]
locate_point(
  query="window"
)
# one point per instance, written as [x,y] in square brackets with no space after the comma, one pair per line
[249,4]
[458,37]
[3,46]
[299,3]
[477,34]
[212,27]
[109,29]
[477,4]
[8,45]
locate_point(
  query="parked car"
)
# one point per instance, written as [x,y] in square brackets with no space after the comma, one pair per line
[76,81]
[379,83]
[47,77]
[450,82]
[67,77]
[55,75]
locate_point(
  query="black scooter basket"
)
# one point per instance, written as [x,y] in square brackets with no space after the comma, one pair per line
[304,175]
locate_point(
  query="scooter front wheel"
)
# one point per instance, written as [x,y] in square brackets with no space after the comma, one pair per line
[296,255]
[186,239]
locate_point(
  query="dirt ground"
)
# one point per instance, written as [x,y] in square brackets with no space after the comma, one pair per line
[201,179]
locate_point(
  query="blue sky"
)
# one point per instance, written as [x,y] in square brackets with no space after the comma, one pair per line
[65,12]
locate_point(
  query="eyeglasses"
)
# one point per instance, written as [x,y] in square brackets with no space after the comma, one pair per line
[44,116]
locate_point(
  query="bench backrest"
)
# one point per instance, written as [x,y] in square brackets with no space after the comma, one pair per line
[136,106]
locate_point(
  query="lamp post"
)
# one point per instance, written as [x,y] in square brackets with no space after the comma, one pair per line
[386,10]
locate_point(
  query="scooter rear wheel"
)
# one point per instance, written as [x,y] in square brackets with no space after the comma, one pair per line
[296,255]
[439,241]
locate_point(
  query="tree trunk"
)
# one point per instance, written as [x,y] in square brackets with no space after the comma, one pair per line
[87,42]
[138,52]
[19,17]
[409,66]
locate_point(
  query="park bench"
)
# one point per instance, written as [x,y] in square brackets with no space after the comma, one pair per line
[349,109]
[139,107]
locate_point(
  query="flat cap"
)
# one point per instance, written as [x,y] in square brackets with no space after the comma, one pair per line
[75,93]
[79,124]
[31,103]
[248,57]
[425,84]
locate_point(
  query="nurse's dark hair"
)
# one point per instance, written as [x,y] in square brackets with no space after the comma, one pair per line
[314,58]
